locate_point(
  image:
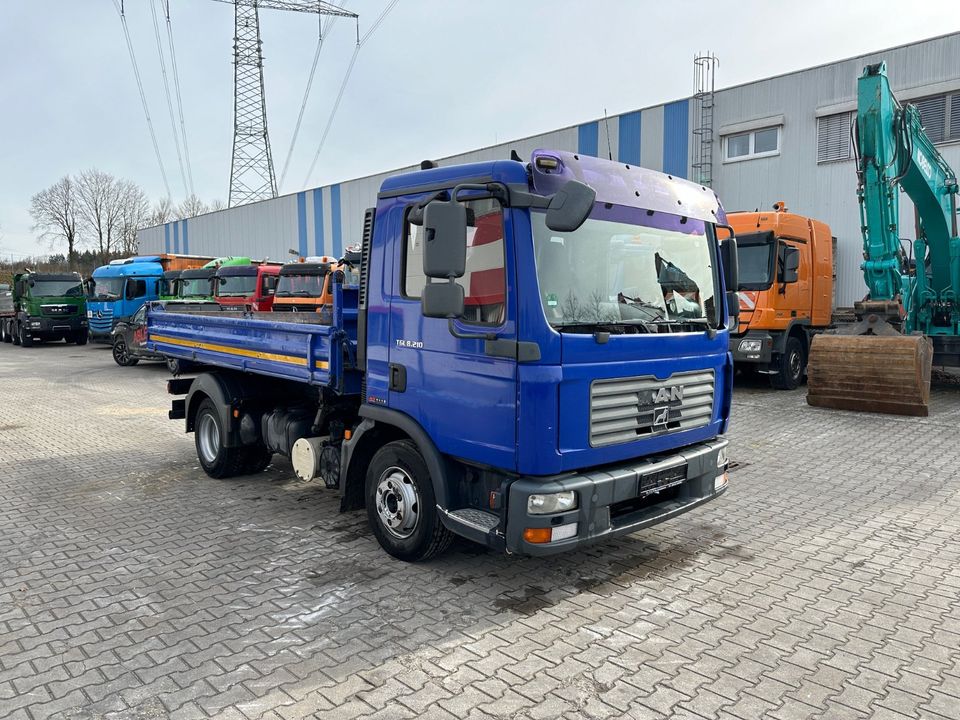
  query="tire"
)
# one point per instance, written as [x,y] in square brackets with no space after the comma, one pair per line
[216,460]
[177,367]
[401,505]
[120,354]
[81,337]
[792,364]
[14,333]
[3,331]
[26,340]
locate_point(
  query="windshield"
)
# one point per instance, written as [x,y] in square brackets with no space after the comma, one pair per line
[236,285]
[194,287]
[755,264]
[110,288]
[57,288]
[616,270]
[300,285]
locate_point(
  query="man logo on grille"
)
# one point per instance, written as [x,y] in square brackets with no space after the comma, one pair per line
[668,394]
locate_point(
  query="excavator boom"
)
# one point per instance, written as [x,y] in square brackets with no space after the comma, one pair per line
[883,362]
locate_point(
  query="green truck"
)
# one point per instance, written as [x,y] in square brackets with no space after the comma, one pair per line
[45,306]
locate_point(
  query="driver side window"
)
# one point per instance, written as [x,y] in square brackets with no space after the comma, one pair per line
[484,280]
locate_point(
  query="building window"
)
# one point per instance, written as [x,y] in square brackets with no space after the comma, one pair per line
[940,116]
[833,137]
[756,143]
[484,281]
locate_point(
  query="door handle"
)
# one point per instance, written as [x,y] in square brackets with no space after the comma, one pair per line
[398,377]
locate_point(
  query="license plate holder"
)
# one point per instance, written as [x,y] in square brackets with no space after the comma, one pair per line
[653,482]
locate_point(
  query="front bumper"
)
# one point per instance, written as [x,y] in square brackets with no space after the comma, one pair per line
[744,347]
[45,326]
[611,502]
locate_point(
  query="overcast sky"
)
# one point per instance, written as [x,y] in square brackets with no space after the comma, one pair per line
[437,77]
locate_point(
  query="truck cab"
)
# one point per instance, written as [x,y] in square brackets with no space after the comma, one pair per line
[197,284]
[305,286]
[246,287]
[47,307]
[785,291]
[168,287]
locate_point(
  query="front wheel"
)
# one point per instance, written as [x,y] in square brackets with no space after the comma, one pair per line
[792,362]
[401,505]
[121,354]
[26,339]
[81,337]
[13,329]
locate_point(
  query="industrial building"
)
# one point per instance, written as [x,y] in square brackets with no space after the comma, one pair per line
[780,138]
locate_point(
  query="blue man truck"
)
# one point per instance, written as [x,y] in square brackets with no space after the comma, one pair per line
[534,357]
[117,290]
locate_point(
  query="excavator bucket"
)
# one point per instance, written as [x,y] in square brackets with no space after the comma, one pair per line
[871,373]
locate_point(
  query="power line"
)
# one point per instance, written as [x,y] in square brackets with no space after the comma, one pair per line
[343,85]
[176,86]
[324,30]
[166,88]
[143,96]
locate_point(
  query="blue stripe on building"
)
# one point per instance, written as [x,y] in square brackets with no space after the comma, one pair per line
[335,220]
[628,144]
[588,138]
[318,221]
[676,126]
[176,237]
[186,238]
[166,237]
[302,222]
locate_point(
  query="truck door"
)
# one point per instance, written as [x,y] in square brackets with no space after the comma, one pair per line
[464,398]
[796,296]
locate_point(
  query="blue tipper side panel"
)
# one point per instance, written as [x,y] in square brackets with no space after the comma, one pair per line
[303,351]
[588,138]
[676,137]
[628,147]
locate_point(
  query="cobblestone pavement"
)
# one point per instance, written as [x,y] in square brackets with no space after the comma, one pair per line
[825,583]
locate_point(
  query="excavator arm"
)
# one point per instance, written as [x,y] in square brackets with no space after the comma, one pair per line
[893,152]
[883,362]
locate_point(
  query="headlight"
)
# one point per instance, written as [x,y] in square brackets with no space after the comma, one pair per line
[552,503]
[34,323]
[750,346]
[722,459]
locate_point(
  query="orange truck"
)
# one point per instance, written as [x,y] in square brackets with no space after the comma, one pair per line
[786,291]
[304,286]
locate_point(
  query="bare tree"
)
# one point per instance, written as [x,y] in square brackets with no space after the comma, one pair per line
[135,214]
[101,209]
[217,204]
[55,215]
[163,211]
[191,207]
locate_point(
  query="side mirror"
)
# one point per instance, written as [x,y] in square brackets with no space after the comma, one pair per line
[789,264]
[570,206]
[444,258]
[731,275]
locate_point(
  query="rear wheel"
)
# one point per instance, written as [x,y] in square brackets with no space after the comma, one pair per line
[217,460]
[401,506]
[121,354]
[792,363]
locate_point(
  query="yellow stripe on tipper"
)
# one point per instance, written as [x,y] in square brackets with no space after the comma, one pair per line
[242,352]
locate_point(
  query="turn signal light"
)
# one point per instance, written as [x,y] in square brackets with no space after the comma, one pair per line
[537,535]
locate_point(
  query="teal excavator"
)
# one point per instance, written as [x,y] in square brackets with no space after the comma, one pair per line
[910,319]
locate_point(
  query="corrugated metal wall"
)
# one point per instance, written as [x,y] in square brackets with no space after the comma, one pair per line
[324,220]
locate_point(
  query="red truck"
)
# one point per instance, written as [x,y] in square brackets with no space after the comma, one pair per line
[247,287]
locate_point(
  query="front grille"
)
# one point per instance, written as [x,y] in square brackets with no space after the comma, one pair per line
[101,320]
[58,310]
[625,409]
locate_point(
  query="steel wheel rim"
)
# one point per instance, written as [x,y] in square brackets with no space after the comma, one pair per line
[208,433]
[398,502]
[795,364]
